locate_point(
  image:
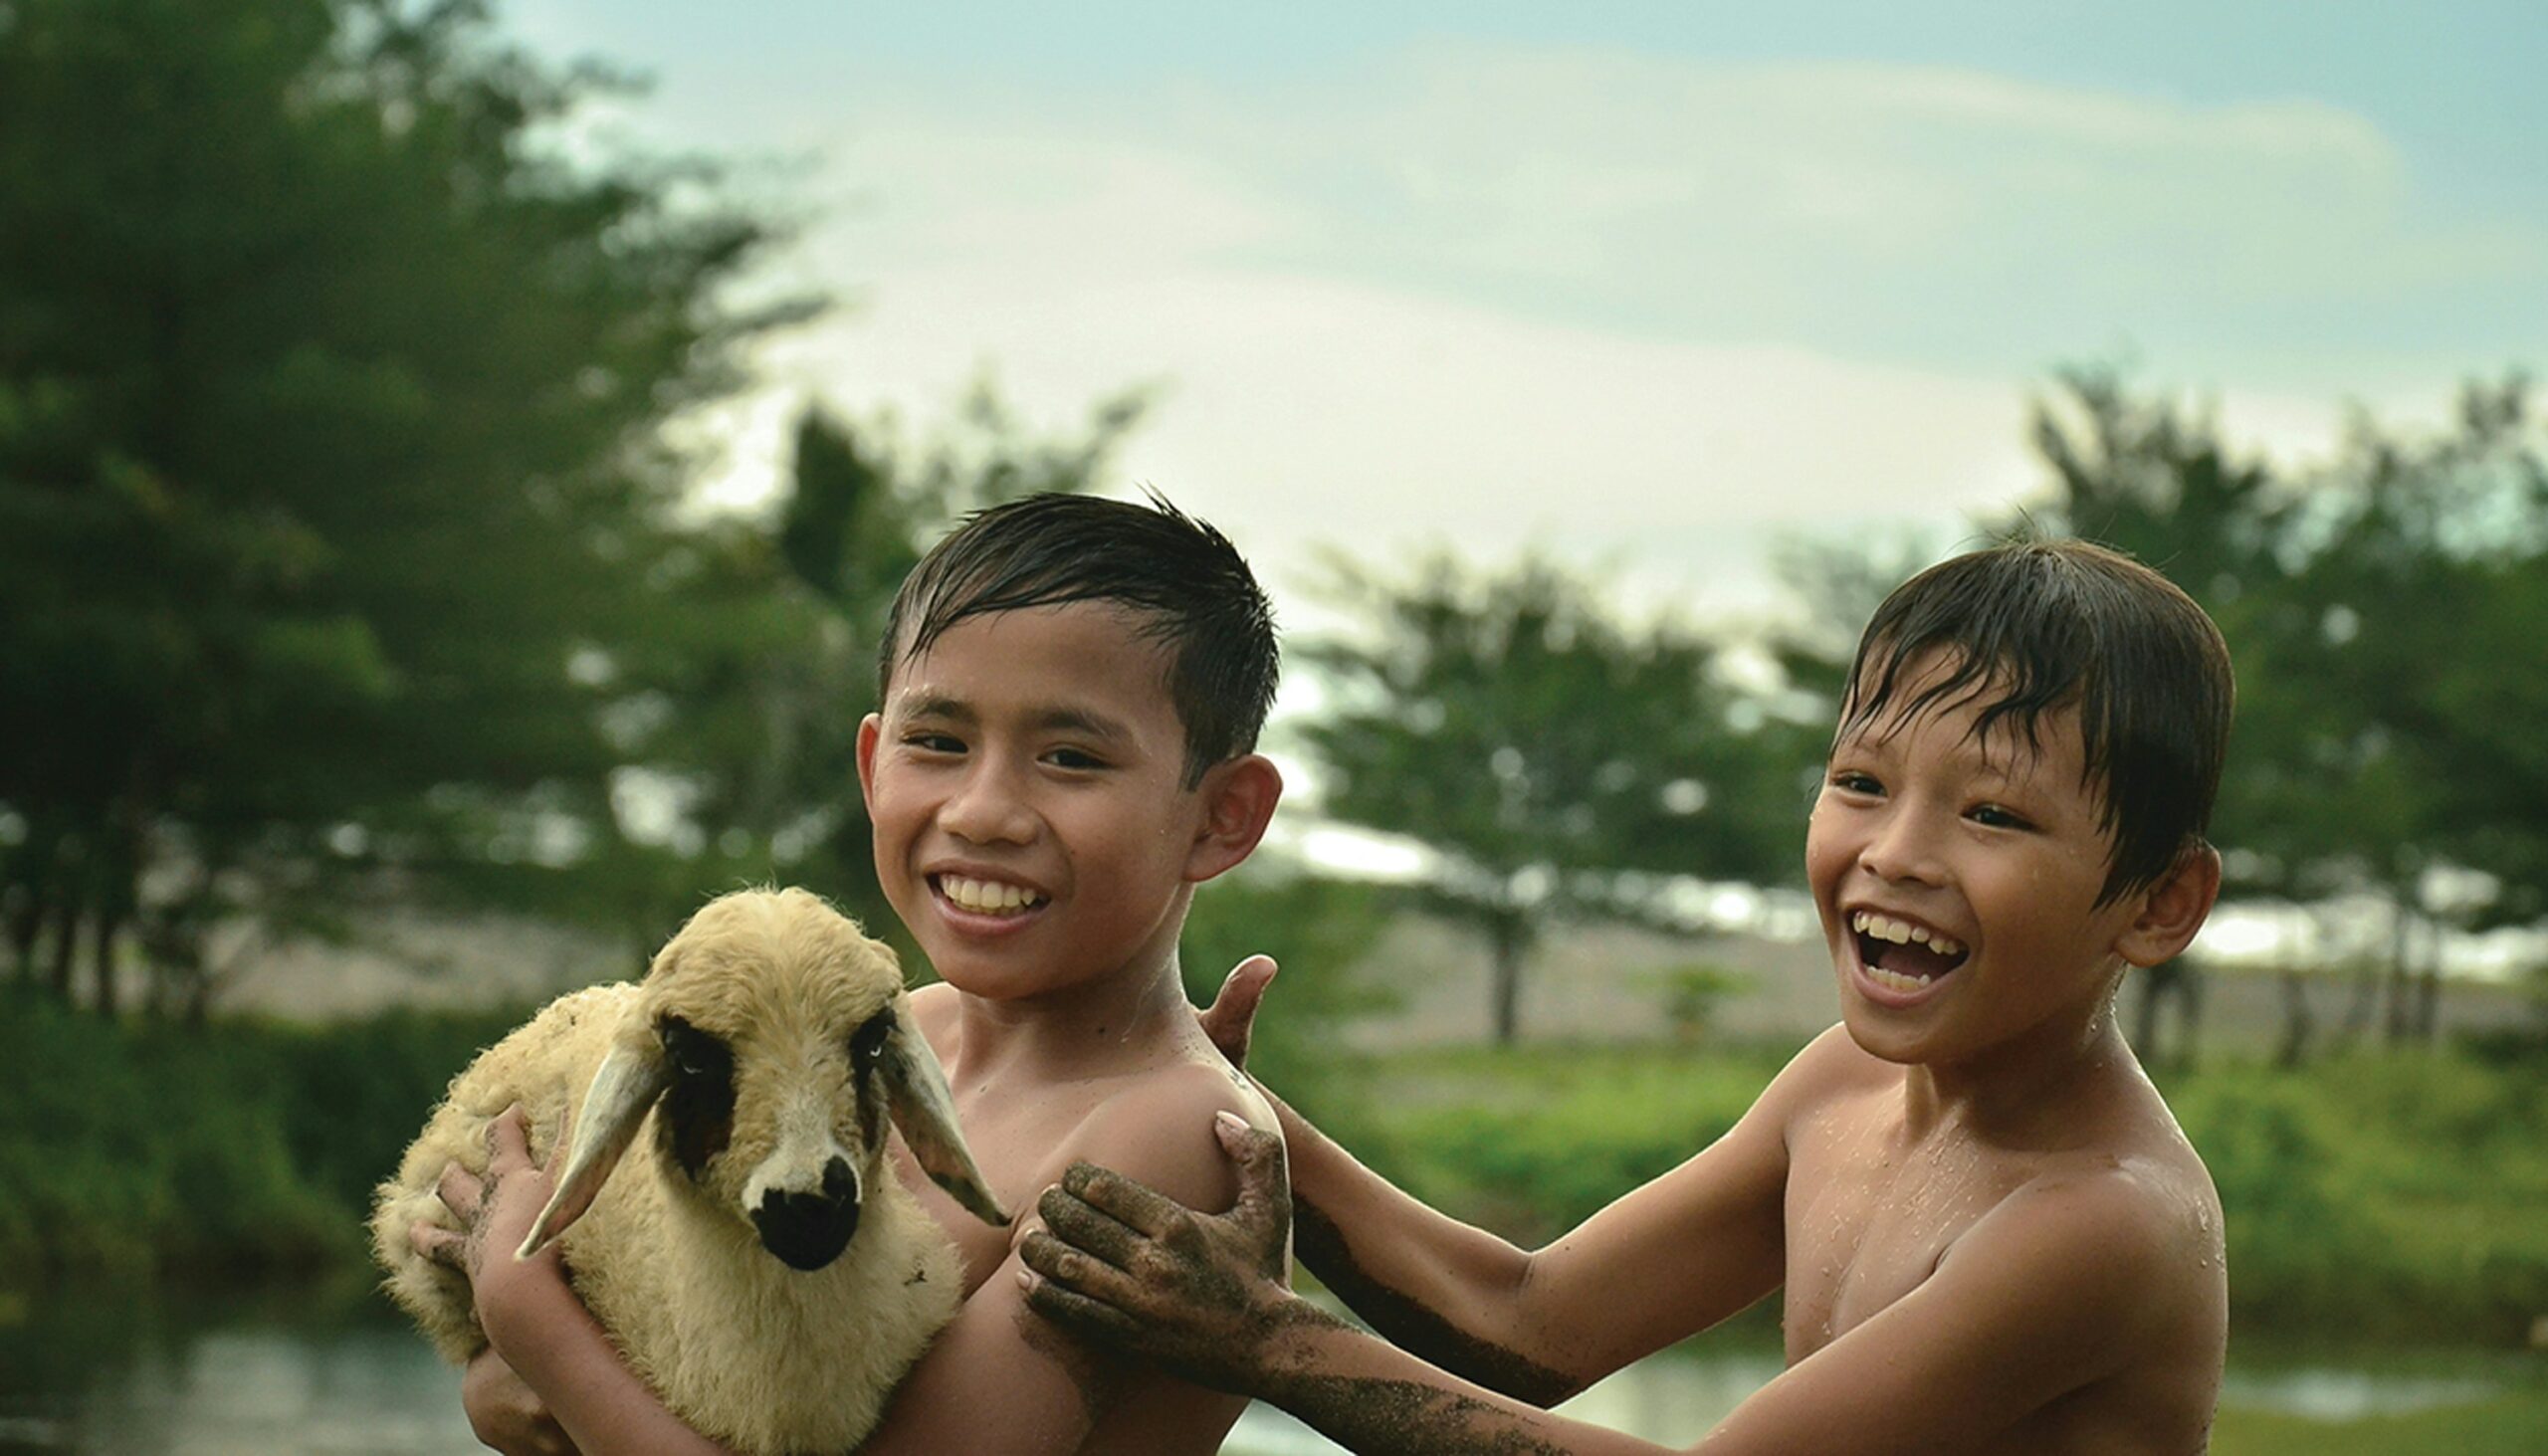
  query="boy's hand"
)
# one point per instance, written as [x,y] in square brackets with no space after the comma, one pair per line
[495,1216]
[1231,1018]
[1122,1264]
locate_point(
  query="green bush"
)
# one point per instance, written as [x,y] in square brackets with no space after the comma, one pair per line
[132,1149]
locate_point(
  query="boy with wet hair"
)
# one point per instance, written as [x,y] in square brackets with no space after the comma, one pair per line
[1992,1236]
[1071,691]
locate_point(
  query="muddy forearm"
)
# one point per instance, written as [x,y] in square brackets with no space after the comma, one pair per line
[1370,1397]
[1441,1290]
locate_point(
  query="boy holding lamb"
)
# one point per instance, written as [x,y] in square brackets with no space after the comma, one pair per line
[1992,1236]
[1072,690]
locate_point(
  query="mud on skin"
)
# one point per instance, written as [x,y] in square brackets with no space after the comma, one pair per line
[1413,1326]
[1403,1418]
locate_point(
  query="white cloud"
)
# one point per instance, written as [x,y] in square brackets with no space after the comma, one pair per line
[1637,310]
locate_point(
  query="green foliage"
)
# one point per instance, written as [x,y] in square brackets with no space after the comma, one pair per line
[1541,746]
[1532,1142]
[2514,1423]
[329,409]
[1692,992]
[2396,1194]
[237,1148]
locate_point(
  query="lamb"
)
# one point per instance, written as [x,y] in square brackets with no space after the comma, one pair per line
[763,1268]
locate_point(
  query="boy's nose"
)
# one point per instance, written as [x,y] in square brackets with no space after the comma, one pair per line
[986,809]
[1899,850]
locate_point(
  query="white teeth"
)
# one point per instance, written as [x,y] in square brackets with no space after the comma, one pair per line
[1886,978]
[1902,933]
[987,897]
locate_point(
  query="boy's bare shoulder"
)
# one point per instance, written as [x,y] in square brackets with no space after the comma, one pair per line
[1156,1125]
[2124,1251]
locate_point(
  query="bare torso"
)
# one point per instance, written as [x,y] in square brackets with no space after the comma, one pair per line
[1874,1205]
[1025,1127]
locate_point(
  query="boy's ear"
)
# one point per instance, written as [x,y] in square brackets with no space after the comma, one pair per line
[1238,802]
[2174,909]
[869,727]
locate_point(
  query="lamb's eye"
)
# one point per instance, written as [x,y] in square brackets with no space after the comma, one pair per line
[693,1052]
[867,1043]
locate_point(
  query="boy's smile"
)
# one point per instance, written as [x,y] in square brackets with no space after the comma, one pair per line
[1958,882]
[1026,779]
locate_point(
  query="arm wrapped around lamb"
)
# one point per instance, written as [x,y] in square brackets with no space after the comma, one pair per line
[728,1209]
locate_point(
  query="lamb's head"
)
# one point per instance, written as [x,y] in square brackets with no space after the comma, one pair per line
[772,1039]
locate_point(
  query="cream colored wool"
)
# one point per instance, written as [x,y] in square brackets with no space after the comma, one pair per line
[745,1348]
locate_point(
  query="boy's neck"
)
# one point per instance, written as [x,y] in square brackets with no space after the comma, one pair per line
[1123,1015]
[2035,1082]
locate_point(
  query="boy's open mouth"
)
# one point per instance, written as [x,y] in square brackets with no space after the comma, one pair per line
[1901,955]
[986,897]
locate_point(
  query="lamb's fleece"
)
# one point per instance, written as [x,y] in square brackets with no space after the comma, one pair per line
[758,1056]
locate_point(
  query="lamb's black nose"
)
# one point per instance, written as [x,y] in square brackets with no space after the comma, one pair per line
[808,1230]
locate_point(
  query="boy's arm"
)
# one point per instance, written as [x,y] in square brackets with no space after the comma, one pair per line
[2060,1286]
[1671,1258]
[997,1379]
[536,1325]
[1665,1261]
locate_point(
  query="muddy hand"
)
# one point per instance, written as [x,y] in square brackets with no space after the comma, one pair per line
[1231,1018]
[1125,1265]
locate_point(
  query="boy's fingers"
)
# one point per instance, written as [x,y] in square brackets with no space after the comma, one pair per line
[1047,1255]
[1230,1022]
[1264,1180]
[460,1191]
[1107,1191]
[439,1245]
[1074,1220]
[1077,1312]
[509,1138]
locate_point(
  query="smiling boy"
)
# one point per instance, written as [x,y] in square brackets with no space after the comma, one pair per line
[1992,1235]
[1071,693]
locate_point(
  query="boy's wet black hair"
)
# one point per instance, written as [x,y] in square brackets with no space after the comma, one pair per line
[2032,627]
[1187,584]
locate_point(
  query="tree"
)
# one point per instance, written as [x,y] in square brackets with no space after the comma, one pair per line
[328,452]
[2370,608]
[1558,762]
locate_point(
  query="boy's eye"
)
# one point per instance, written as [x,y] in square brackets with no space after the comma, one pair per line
[929,742]
[1074,759]
[1992,816]
[1852,781]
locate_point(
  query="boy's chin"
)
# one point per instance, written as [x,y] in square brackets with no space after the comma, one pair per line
[1884,1039]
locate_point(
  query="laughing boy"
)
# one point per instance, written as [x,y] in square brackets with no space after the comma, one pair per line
[1992,1236]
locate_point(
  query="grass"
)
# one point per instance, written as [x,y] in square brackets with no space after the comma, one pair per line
[2514,1423]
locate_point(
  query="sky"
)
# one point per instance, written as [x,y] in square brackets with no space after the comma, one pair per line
[1648,287]
[1652,287]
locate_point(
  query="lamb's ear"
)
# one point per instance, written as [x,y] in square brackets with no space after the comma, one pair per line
[916,1090]
[624,1087]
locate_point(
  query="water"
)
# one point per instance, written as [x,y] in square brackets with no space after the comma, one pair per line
[317,1373]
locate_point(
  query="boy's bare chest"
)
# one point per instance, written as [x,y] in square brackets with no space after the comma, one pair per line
[1022,1145]
[1867,1223]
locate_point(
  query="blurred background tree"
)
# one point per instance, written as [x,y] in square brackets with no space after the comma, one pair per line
[1558,761]
[328,395]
